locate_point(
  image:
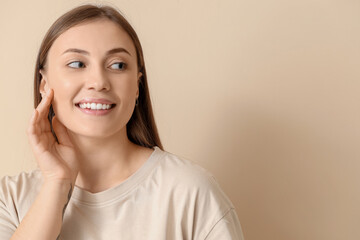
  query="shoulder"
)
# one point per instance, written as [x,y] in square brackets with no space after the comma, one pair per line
[20,180]
[181,170]
[194,190]
[182,167]
[188,176]
[17,192]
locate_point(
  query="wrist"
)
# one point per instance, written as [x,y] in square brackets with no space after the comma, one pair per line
[58,189]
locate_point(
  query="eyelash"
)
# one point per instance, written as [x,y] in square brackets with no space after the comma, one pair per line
[124,64]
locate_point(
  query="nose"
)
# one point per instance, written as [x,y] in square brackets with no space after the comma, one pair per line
[97,80]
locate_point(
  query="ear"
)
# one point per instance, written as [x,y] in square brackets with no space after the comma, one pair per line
[138,82]
[140,74]
[44,86]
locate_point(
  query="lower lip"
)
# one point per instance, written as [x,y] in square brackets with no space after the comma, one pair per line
[99,112]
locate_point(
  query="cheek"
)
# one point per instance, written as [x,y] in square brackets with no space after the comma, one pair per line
[64,90]
[126,87]
[62,83]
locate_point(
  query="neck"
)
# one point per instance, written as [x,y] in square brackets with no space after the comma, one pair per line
[104,161]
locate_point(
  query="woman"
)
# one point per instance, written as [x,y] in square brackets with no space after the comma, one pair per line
[103,173]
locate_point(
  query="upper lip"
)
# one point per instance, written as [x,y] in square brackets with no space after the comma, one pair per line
[95,100]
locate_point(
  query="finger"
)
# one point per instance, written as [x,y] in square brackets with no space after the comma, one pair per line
[43,107]
[32,127]
[45,103]
[61,132]
[33,131]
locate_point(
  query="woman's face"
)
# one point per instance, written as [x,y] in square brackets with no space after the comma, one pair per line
[93,65]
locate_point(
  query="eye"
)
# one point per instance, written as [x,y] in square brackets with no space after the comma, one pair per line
[76,64]
[121,65]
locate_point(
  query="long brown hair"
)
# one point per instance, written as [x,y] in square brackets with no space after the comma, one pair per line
[141,128]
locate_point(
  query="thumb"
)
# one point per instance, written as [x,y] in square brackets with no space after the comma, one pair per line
[61,132]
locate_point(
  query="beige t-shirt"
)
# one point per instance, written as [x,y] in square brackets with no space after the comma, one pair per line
[167,198]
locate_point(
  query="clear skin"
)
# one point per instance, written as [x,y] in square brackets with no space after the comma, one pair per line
[94,150]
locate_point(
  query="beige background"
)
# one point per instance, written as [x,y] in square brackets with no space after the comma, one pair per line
[264,94]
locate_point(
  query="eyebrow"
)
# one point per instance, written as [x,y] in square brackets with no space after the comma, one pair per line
[111,51]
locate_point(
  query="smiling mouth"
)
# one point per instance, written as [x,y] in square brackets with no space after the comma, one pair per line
[95,106]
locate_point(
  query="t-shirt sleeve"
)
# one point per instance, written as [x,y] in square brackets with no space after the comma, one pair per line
[227,228]
[215,215]
[7,223]
[7,226]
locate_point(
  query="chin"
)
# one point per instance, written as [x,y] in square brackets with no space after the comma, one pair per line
[94,127]
[96,131]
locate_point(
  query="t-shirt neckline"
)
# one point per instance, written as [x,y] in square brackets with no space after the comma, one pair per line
[112,194]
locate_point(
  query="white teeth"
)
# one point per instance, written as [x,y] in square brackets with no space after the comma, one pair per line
[94,106]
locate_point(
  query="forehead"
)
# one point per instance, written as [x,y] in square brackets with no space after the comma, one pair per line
[96,37]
